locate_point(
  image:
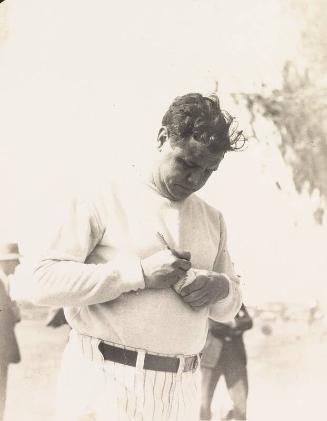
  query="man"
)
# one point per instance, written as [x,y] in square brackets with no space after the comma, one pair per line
[9,316]
[224,354]
[56,317]
[135,341]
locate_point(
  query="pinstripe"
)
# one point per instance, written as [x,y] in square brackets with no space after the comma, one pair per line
[169,394]
[133,397]
[115,378]
[159,395]
[136,395]
[126,390]
[183,398]
[144,394]
[186,396]
[153,391]
[195,385]
[177,411]
[91,352]
[174,381]
[126,405]
[171,385]
[190,397]
[105,385]
[153,398]
[116,384]
[162,392]
[82,342]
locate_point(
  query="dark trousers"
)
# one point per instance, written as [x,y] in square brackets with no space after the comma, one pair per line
[231,363]
[3,388]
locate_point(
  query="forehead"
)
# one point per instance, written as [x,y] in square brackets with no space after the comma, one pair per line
[198,153]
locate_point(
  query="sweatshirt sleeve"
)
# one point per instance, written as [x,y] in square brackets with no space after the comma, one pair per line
[62,277]
[226,309]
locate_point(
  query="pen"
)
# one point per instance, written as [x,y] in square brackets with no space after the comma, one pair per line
[162,238]
[190,274]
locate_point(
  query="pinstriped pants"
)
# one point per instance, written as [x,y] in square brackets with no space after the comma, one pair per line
[90,388]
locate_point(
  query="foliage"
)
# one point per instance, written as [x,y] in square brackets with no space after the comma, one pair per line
[299,112]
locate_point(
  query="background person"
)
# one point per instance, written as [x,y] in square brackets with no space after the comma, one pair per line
[225,355]
[9,316]
[56,317]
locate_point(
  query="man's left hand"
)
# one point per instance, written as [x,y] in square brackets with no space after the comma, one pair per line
[208,287]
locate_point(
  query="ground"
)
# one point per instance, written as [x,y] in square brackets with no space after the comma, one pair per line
[287,372]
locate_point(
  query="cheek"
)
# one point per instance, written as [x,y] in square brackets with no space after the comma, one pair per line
[173,173]
[203,181]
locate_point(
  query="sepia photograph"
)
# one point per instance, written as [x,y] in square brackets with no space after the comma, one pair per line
[163,215]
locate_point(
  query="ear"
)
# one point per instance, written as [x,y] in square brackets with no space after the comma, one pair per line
[162,137]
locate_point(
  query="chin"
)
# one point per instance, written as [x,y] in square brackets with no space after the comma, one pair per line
[181,195]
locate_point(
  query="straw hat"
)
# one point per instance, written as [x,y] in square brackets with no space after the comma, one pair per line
[9,251]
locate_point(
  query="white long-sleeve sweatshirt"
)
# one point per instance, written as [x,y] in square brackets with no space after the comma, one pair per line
[93,269]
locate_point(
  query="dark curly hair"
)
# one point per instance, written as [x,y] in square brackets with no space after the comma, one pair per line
[200,117]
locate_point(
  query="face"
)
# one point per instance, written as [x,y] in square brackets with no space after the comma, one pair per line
[183,168]
[9,266]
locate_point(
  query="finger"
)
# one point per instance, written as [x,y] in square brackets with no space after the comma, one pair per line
[183,264]
[182,254]
[194,296]
[176,276]
[203,301]
[180,274]
[194,286]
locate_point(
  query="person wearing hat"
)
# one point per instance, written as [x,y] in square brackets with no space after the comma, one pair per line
[9,316]
[225,356]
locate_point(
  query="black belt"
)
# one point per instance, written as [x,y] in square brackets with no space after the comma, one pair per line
[151,361]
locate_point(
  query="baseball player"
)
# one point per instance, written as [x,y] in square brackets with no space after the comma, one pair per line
[139,266]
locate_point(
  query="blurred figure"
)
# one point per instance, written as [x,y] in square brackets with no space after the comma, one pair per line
[56,317]
[224,354]
[9,316]
[314,312]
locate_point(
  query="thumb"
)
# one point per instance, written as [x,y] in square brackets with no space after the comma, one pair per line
[182,254]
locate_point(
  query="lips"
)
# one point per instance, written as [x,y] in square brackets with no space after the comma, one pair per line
[182,187]
[185,189]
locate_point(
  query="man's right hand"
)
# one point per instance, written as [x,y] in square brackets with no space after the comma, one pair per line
[164,268]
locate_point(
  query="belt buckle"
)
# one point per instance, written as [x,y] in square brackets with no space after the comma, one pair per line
[192,363]
[195,363]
